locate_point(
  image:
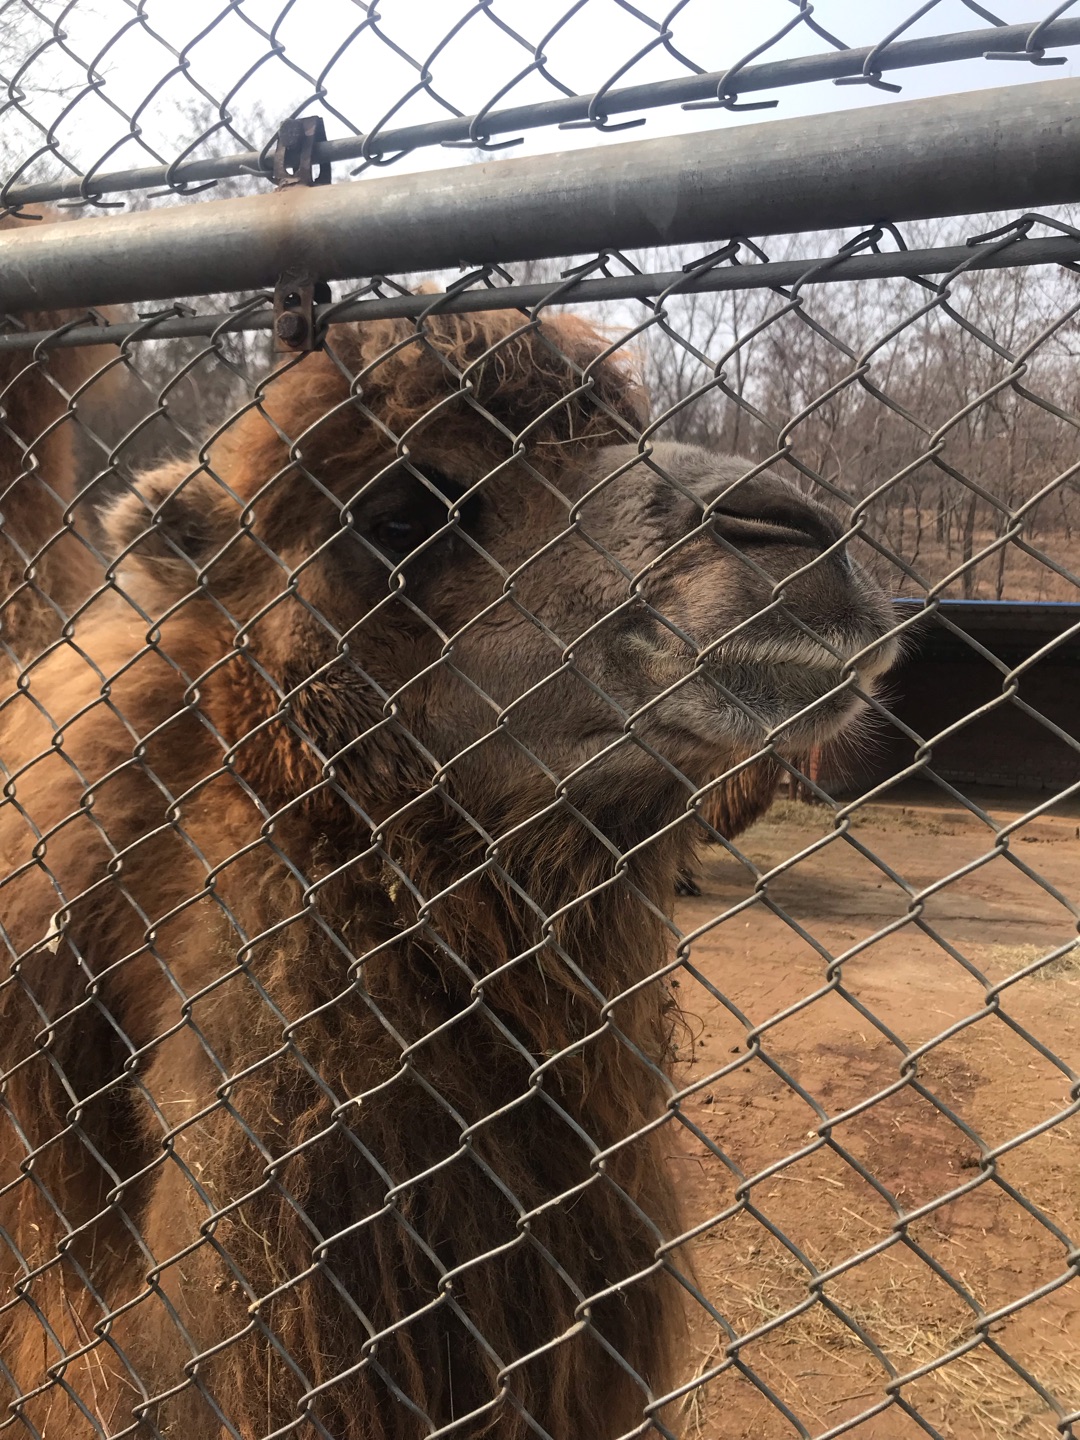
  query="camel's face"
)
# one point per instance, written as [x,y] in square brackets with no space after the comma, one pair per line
[511,615]
[659,607]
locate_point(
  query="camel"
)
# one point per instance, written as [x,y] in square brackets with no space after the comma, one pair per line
[337,843]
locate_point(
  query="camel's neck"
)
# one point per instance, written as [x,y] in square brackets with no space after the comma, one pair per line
[558,933]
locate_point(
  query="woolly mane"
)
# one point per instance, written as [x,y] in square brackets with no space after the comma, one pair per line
[744,798]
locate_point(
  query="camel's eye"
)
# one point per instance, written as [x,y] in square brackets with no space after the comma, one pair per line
[399,537]
[417,509]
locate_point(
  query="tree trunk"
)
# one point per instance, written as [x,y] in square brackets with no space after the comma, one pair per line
[969,546]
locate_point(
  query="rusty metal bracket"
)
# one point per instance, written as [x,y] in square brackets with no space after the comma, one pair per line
[294,153]
[297,292]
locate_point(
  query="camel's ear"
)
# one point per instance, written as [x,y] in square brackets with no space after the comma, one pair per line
[172,525]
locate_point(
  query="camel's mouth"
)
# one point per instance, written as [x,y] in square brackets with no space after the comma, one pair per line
[800,689]
[805,688]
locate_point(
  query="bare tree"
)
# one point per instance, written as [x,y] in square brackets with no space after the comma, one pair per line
[943,423]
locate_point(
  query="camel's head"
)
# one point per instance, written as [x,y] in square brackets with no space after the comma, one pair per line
[454,560]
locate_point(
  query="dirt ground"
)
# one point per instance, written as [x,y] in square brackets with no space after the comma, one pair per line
[944,1188]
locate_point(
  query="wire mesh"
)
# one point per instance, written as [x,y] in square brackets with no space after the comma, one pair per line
[507,923]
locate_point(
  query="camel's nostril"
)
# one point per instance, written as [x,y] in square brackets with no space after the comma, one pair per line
[782,521]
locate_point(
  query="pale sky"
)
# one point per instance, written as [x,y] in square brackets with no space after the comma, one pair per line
[364,82]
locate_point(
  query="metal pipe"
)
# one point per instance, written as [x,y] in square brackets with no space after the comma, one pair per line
[772,75]
[826,270]
[952,155]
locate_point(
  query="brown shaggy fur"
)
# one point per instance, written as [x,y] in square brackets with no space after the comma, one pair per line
[46,571]
[733,806]
[744,798]
[333,1071]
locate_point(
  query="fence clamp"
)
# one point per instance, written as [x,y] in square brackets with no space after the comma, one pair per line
[297,291]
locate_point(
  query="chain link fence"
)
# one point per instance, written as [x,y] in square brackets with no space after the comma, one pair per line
[508,925]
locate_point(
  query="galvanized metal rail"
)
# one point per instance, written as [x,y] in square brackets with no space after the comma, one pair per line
[1006,149]
[822,270]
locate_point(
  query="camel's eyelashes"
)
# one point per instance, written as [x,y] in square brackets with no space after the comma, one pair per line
[399,537]
[420,511]
[438,484]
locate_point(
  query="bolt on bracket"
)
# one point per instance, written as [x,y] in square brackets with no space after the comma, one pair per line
[298,292]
